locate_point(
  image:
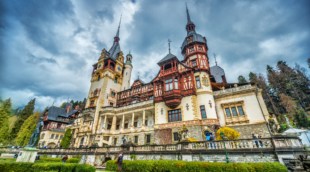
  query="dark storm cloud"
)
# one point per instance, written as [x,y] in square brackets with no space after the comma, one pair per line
[48,47]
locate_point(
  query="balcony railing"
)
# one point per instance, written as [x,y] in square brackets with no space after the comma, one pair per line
[108,67]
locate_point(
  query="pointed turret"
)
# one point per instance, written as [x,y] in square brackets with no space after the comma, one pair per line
[190,26]
[116,38]
[115,49]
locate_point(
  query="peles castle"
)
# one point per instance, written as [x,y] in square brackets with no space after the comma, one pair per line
[187,92]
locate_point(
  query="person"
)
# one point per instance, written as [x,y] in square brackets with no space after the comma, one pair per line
[211,138]
[120,161]
[37,157]
[260,142]
[256,142]
[64,159]
[16,155]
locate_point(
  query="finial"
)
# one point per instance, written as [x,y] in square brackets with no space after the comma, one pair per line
[129,51]
[215,59]
[53,103]
[169,45]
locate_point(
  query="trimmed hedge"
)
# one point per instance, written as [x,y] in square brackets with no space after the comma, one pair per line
[193,166]
[16,166]
[39,167]
[69,160]
[60,167]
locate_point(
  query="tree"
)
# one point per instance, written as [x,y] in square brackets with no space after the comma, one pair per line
[253,77]
[301,118]
[5,111]
[241,79]
[62,105]
[26,130]
[230,133]
[65,142]
[288,103]
[23,115]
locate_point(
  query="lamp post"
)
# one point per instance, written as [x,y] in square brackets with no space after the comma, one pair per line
[223,137]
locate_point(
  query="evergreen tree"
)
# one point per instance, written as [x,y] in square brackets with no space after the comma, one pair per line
[5,111]
[65,142]
[241,79]
[253,77]
[26,130]
[308,61]
[23,115]
[301,118]
[62,105]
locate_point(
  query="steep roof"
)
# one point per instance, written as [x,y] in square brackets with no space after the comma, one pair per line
[114,50]
[54,112]
[217,73]
[167,57]
[196,38]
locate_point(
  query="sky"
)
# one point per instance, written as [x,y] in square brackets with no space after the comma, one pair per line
[47,48]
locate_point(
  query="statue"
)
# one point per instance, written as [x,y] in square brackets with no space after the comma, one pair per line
[124,139]
[272,125]
[36,133]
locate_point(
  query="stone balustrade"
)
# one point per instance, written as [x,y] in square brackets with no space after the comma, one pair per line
[204,146]
[235,89]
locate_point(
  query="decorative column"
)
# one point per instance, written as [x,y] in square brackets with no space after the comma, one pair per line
[123,125]
[132,120]
[105,121]
[113,124]
[143,119]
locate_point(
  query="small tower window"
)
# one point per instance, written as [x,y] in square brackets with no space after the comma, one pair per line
[194,63]
[115,80]
[200,48]
[98,78]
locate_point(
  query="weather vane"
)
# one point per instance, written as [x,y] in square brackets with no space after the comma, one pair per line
[215,58]
[169,45]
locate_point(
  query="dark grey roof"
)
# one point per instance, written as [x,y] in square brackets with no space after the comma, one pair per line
[217,73]
[189,21]
[54,112]
[196,38]
[167,57]
[114,50]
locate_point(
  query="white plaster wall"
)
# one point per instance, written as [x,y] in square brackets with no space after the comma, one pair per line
[187,116]
[203,99]
[111,85]
[251,106]
[203,87]
[126,78]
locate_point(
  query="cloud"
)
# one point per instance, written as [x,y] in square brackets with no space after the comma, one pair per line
[48,48]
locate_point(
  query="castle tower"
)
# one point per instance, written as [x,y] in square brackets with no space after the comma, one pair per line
[127,72]
[195,53]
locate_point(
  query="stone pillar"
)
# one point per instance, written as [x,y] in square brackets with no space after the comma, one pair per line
[105,121]
[99,124]
[113,124]
[123,125]
[132,120]
[143,118]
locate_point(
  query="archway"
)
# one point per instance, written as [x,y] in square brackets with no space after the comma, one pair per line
[51,145]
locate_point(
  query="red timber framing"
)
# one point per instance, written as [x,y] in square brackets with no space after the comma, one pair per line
[200,50]
[139,92]
[172,84]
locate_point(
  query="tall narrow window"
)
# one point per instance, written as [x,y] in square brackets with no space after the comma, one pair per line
[169,84]
[115,141]
[148,138]
[233,109]
[198,82]
[126,125]
[175,115]
[240,111]
[194,63]
[136,139]
[145,122]
[228,112]
[98,78]
[112,93]
[92,103]
[109,127]
[117,127]
[175,136]
[203,112]
[176,83]
[115,80]
[135,124]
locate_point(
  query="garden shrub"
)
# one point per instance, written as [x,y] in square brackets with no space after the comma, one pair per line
[194,166]
[44,160]
[16,166]
[61,167]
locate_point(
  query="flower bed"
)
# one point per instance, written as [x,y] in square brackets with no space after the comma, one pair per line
[193,166]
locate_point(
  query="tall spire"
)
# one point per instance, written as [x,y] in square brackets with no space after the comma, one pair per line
[190,26]
[169,45]
[188,17]
[116,38]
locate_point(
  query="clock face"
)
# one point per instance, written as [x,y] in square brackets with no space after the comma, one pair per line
[119,68]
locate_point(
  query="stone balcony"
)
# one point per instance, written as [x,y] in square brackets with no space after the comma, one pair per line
[235,90]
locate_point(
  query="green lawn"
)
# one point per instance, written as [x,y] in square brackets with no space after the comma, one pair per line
[105,171]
